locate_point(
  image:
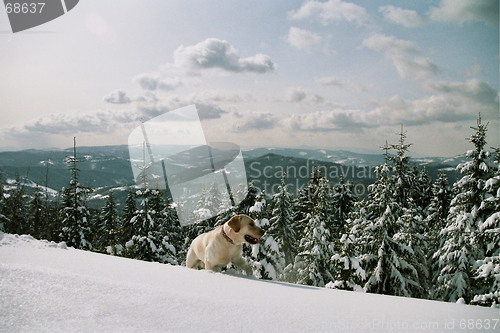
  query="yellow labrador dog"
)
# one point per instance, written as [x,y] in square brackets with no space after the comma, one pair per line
[217,248]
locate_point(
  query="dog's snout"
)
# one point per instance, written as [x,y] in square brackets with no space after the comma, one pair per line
[262,232]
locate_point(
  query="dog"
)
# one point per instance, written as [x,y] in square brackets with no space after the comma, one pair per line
[215,249]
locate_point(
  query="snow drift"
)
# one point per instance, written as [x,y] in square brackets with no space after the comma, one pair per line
[46,286]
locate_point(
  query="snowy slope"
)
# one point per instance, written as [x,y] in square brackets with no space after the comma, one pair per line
[46,287]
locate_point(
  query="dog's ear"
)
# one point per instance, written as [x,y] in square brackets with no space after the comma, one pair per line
[235,223]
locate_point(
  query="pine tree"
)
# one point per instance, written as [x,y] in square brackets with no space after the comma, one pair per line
[15,210]
[423,191]
[460,249]
[269,260]
[436,221]
[313,265]
[305,202]
[126,228]
[342,204]
[281,222]
[37,214]
[383,249]
[487,273]
[348,271]
[148,243]
[107,229]
[3,219]
[75,215]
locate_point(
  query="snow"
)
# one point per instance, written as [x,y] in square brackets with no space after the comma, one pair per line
[46,287]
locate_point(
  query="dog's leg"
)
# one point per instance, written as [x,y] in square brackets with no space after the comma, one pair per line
[192,260]
[240,263]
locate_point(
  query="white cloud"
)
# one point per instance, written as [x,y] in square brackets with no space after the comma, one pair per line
[331,11]
[216,53]
[303,39]
[117,97]
[475,90]
[459,102]
[461,11]
[299,95]
[403,54]
[155,82]
[256,121]
[331,81]
[405,17]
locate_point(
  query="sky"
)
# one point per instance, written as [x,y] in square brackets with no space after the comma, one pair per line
[314,74]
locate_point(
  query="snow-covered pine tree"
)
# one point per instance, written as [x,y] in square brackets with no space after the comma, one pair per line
[107,238]
[488,269]
[3,219]
[348,272]
[15,210]
[281,222]
[413,233]
[267,253]
[423,190]
[313,265]
[172,229]
[37,215]
[342,203]
[436,221]
[305,202]
[148,243]
[411,196]
[126,228]
[382,253]
[460,249]
[75,216]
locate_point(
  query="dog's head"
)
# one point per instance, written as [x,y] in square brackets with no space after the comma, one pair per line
[244,229]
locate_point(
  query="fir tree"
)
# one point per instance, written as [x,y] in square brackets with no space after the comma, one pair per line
[269,260]
[37,214]
[342,204]
[436,221]
[3,219]
[148,243]
[313,264]
[487,273]
[460,249]
[108,223]
[281,222]
[75,215]
[348,271]
[126,229]
[15,210]
[382,245]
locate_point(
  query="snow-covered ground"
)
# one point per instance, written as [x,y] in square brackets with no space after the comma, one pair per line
[46,287]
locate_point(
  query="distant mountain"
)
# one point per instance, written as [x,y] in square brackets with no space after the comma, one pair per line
[105,168]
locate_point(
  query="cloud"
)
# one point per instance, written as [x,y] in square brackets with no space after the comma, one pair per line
[327,121]
[257,121]
[474,90]
[303,39]
[462,11]
[117,97]
[206,104]
[216,53]
[331,11]
[69,124]
[299,95]
[333,81]
[155,82]
[403,54]
[404,17]
[458,102]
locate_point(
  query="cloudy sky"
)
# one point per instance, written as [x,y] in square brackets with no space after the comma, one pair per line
[331,74]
